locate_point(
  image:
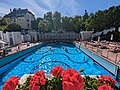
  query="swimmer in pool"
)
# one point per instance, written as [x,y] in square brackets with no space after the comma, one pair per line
[84,58]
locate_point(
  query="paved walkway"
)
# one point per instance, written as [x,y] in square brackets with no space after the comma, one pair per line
[104,53]
[19,47]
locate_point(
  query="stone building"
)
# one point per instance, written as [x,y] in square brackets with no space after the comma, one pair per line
[23,17]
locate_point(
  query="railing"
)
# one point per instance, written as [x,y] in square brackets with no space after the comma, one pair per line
[105,53]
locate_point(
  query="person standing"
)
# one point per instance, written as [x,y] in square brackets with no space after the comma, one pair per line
[4,52]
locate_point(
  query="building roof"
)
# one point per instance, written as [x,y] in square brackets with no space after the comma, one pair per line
[17,13]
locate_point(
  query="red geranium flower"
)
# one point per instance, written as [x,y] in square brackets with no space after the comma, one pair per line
[40,73]
[107,79]
[68,85]
[72,80]
[56,71]
[34,87]
[105,87]
[42,81]
[37,80]
[69,71]
[11,83]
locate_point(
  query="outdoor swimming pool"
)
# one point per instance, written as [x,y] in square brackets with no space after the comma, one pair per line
[50,55]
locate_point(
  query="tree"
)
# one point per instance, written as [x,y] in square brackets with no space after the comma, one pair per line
[85,15]
[65,23]
[77,23]
[3,22]
[35,23]
[89,23]
[57,21]
[42,26]
[14,27]
[100,20]
[48,17]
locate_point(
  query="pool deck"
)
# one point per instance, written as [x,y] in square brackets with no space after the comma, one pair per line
[104,53]
[20,47]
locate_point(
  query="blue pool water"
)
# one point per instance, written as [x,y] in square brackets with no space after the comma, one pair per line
[50,55]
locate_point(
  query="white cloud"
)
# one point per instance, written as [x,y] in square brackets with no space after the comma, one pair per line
[40,7]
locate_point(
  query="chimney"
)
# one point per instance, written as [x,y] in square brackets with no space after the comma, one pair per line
[10,10]
[14,9]
[19,8]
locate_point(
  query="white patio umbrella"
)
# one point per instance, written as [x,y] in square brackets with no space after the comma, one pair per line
[111,38]
[3,42]
[99,39]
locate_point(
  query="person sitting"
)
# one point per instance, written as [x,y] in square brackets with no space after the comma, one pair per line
[28,44]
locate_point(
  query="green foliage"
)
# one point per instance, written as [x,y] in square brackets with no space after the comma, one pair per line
[91,83]
[43,25]
[2,28]
[54,84]
[57,20]
[14,27]
[98,21]
[3,22]
[35,23]
[48,17]
[85,15]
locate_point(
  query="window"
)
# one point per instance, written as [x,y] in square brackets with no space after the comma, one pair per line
[28,25]
[27,20]
[14,20]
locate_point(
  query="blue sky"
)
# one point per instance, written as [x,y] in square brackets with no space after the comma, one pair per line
[66,7]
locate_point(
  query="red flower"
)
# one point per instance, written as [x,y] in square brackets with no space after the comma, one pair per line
[72,80]
[42,81]
[114,82]
[11,83]
[34,87]
[68,86]
[107,79]
[104,87]
[56,71]
[37,80]
[40,73]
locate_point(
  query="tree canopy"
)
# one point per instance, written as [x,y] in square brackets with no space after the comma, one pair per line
[51,22]
[13,27]
[97,21]
[4,26]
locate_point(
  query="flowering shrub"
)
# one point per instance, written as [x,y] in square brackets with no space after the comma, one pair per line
[68,79]
[11,83]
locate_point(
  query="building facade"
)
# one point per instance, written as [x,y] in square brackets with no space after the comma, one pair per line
[86,35]
[23,17]
[13,38]
[59,36]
